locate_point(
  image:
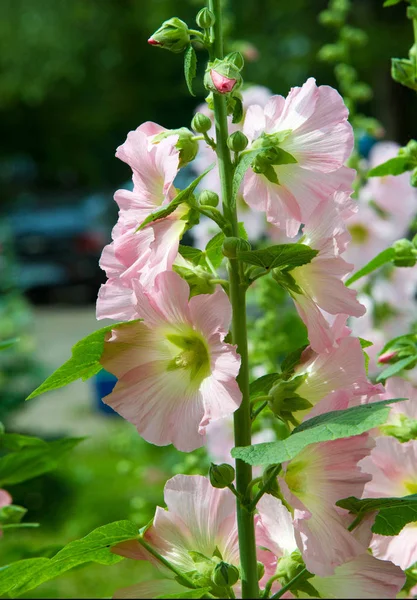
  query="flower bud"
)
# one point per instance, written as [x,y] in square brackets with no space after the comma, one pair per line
[221,475]
[232,245]
[222,77]
[173,35]
[331,18]
[261,570]
[332,53]
[205,18]
[353,36]
[201,123]
[225,575]
[405,253]
[237,142]
[361,92]
[208,198]
[387,357]
[187,146]
[235,58]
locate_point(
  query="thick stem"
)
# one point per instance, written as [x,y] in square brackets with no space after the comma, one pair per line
[242,417]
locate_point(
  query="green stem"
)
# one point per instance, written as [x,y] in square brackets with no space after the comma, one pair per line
[289,585]
[264,488]
[242,417]
[256,412]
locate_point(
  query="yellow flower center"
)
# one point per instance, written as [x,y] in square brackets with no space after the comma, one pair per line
[194,355]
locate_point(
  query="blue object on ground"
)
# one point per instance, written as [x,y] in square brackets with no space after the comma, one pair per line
[104,383]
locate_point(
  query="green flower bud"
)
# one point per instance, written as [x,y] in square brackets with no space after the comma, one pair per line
[332,53]
[237,142]
[331,18]
[222,77]
[261,570]
[205,18]
[186,145]
[172,35]
[232,245]
[225,575]
[410,151]
[236,59]
[201,123]
[405,253]
[289,566]
[345,73]
[353,36]
[208,198]
[361,92]
[221,475]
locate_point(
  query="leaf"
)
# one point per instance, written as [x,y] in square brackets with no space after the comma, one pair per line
[282,256]
[200,593]
[391,2]
[409,339]
[4,344]
[190,67]
[403,71]
[237,110]
[393,513]
[180,198]
[262,386]
[292,360]
[393,166]
[396,368]
[84,362]
[365,343]
[380,259]
[11,514]
[214,250]
[243,165]
[24,575]
[323,428]
[32,461]
[16,441]
[197,278]
[193,255]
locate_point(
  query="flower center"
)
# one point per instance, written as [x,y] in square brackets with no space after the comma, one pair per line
[295,477]
[359,233]
[193,356]
[411,486]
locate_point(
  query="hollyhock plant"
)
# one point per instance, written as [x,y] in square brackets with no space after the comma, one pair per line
[312,483]
[311,127]
[319,284]
[175,372]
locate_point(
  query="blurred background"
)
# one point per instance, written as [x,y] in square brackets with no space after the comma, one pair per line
[75,77]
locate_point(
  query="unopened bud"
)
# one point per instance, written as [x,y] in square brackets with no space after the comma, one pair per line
[222,77]
[221,476]
[237,142]
[361,92]
[387,357]
[222,84]
[208,198]
[236,59]
[232,245]
[187,146]
[332,53]
[225,575]
[405,253]
[353,35]
[173,35]
[331,18]
[201,123]
[205,18]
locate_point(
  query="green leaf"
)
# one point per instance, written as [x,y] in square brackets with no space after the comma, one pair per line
[393,166]
[391,2]
[24,575]
[180,198]
[11,514]
[243,165]
[197,278]
[193,255]
[16,441]
[323,428]
[214,250]
[262,386]
[283,256]
[365,343]
[393,513]
[292,360]
[32,461]
[237,111]
[242,231]
[84,362]
[396,368]
[403,71]
[380,259]
[4,344]
[409,339]
[190,67]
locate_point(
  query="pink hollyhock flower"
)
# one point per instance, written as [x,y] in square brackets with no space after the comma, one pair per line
[199,519]
[311,125]
[396,387]
[175,372]
[312,483]
[362,577]
[321,281]
[393,467]
[223,84]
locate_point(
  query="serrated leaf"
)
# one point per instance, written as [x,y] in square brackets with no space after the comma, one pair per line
[393,166]
[263,385]
[282,256]
[180,198]
[396,367]
[33,461]
[193,255]
[393,513]
[190,67]
[84,362]
[323,428]
[214,250]
[380,259]
[243,165]
[22,576]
